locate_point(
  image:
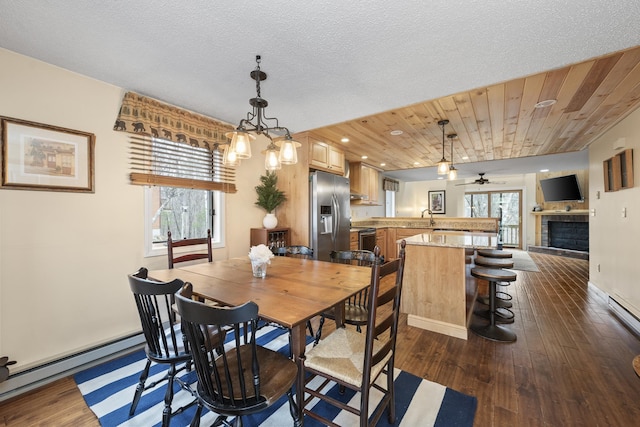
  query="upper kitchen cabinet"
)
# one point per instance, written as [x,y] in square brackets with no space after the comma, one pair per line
[325,157]
[321,155]
[364,182]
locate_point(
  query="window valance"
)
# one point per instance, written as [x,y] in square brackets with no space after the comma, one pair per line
[142,115]
[389,184]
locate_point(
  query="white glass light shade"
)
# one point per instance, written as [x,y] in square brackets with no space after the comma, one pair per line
[443,166]
[271,162]
[241,143]
[230,158]
[288,151]
[453,173]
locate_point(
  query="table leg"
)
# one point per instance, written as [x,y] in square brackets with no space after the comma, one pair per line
[298,344]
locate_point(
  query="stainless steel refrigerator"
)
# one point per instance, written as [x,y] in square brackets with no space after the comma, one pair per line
[330,214]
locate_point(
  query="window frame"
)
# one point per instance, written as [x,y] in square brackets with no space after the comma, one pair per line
[217,225]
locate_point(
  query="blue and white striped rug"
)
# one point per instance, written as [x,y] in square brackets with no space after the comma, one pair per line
[109,388]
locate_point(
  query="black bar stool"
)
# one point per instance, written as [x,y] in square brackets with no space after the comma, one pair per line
[503,302]
[498,253]
[493,331]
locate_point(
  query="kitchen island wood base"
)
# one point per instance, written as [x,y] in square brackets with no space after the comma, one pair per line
[438,291]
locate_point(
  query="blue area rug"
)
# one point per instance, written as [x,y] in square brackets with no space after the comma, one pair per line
[109,388]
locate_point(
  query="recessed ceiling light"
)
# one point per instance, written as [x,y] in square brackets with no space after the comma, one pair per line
[416,163]
[465,157]
[365,157]
[544,170]
[396,132]
[383,164]
[545,103]
[345,140]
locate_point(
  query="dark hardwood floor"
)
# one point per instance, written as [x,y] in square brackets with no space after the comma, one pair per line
[571,364]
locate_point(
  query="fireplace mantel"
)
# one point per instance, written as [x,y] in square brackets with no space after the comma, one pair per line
[561,212]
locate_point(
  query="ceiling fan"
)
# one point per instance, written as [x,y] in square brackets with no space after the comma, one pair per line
[481,181]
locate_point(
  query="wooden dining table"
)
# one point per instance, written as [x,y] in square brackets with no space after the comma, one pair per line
[293,291]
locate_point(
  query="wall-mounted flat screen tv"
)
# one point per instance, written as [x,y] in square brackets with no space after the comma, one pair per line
[561,189]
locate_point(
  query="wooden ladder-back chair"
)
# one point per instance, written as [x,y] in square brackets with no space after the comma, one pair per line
[163,336]
[355,308]
[171,244]
[356,360]
[246,378]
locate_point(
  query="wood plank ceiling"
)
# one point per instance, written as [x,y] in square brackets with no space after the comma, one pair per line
[499,121]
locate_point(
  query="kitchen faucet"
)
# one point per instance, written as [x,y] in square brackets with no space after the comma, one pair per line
[431,221]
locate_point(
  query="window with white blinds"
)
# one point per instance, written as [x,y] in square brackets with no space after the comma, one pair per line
[161,162]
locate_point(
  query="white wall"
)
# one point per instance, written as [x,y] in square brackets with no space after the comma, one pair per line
[64,257]
[613,239]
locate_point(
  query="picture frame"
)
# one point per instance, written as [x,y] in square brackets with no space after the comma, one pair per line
[437,202]
[38,156]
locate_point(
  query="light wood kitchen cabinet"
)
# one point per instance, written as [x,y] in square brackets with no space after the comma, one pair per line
[353,241]
[364,180]
[325,157]
[381,241]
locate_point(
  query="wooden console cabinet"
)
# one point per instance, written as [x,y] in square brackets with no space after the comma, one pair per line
[272,238]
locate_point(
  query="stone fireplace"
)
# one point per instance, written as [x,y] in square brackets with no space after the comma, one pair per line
[564,234]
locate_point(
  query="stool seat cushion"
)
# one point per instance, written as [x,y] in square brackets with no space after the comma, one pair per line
[494,253]
[493,274]
[493,262]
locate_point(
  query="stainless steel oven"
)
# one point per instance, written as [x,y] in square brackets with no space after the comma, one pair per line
[367,239]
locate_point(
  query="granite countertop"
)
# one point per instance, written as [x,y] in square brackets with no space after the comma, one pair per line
[454,239]
[442,223]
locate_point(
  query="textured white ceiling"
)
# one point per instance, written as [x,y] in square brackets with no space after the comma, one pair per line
[327,61]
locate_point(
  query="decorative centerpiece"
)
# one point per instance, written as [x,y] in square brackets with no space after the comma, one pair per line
[260,256]
[269,198]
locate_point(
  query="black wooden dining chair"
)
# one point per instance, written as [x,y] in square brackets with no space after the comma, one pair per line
[163,336]
[192,256]
[355,308]
[297,251]
[246,378]
[356,360]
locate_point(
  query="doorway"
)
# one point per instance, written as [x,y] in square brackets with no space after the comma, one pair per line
[504,205]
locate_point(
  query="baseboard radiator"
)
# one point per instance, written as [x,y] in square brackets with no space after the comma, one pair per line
[38,376]
[625,316]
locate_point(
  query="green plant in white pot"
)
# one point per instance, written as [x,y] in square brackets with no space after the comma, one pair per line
[269,198]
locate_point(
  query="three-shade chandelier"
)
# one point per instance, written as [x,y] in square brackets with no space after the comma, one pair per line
[282,149]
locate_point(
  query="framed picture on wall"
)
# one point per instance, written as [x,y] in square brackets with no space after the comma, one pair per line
[37,156]
[437,202]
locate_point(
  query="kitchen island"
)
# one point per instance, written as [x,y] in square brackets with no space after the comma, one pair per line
[438,291]
[394,229]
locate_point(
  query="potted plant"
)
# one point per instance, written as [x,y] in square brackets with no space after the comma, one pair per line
[269,198]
